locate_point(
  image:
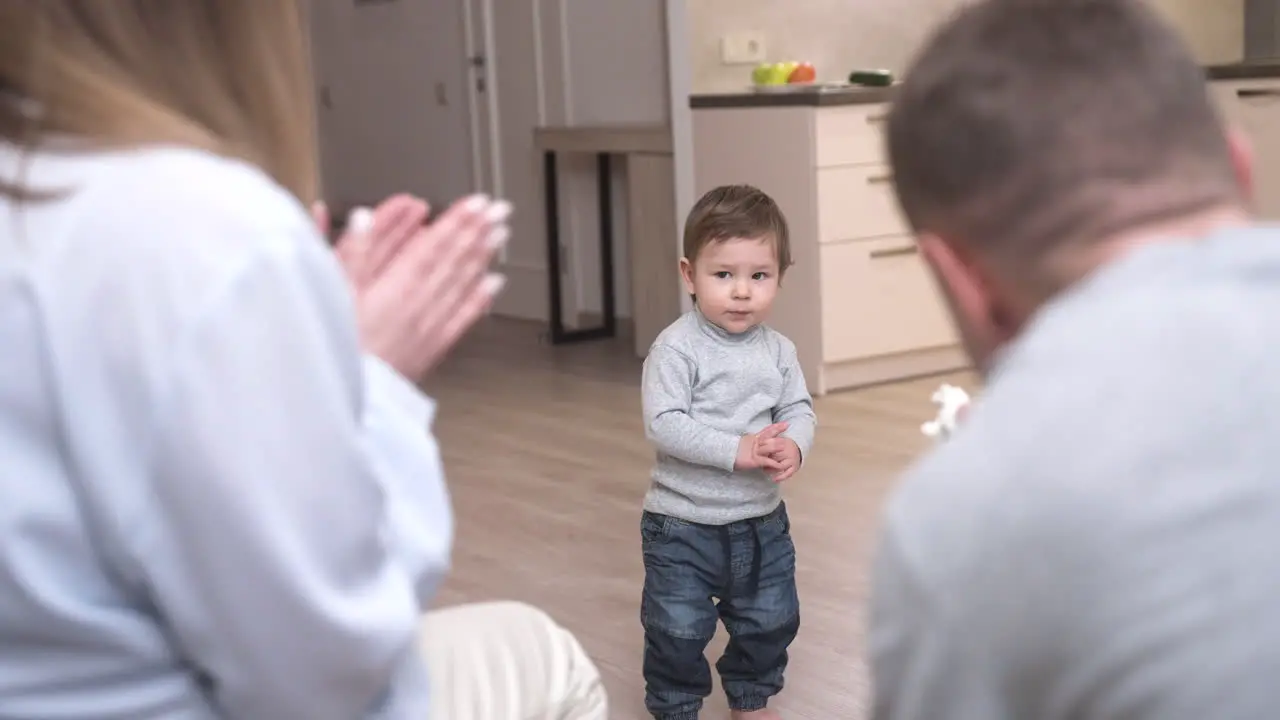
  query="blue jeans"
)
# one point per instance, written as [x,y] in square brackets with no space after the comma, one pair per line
[743,574]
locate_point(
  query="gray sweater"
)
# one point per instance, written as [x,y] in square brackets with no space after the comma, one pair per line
[1098,539]
[703,389]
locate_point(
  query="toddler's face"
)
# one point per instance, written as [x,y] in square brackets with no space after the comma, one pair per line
[734,280]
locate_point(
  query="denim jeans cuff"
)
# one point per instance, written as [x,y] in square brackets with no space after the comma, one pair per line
[690,715]
[748,703]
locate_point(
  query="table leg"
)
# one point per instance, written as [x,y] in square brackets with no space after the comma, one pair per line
[609,322]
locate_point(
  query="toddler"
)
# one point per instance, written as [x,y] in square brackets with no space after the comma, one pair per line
[726,406]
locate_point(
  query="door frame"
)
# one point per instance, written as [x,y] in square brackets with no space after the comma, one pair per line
[680,85]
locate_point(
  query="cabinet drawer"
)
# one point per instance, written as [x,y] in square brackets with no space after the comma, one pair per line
[878,298]
[1234,98]
[857,202]
[850,134]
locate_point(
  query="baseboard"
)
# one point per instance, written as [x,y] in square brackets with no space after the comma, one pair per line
[525,295]
[525,298]
[591,318]
[879,370]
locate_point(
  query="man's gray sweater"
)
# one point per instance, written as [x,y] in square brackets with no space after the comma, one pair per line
[1098,540]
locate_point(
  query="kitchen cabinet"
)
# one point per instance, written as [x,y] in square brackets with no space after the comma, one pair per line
[1253,106]
[859,303]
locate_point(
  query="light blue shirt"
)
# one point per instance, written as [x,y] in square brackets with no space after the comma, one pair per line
[211,505]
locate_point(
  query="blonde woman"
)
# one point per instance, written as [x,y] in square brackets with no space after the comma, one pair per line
[220,497]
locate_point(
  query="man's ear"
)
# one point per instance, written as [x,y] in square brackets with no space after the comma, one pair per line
[1242,159]
[686,274]
[956,276]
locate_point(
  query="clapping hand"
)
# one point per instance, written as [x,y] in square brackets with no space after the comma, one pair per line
[418,287]
[364,251]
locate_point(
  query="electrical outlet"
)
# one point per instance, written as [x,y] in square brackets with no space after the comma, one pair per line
[742,48]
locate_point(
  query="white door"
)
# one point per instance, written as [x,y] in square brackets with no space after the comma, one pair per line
[393,83]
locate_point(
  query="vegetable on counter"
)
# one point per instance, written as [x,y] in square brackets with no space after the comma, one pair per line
[871,78]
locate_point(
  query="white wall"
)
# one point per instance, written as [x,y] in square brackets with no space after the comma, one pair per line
[839,35]
[1214,28]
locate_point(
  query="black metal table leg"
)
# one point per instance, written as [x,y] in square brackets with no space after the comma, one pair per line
[604,186]
[552,194]
[609,322]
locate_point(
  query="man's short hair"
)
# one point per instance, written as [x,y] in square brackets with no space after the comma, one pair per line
[1024,125]
[737,211]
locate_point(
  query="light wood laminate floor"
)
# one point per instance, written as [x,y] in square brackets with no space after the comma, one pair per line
[547,464]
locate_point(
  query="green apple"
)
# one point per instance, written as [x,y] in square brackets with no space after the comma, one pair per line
[761,73]
[772,73]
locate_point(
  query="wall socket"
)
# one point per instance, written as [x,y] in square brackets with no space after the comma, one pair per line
[742,48]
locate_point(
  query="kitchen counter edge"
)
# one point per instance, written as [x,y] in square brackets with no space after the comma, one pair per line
[874,95]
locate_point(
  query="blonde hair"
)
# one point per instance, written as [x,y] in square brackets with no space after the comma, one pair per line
[227,76]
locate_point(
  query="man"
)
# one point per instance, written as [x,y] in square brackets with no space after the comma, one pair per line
[1093,542]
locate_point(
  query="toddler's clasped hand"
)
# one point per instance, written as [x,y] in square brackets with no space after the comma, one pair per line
[767,450]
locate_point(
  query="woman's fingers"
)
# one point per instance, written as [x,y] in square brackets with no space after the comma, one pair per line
[462,231]
[372,236]
[466,246]
[448,289]
[431,246]
[352,248]
[476,243]
[458,293]
[395,222]
[466,314]
[320,216]
[425,286]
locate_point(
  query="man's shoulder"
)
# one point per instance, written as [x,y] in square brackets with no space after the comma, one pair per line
[949,499]
[1028,465]
[1083,417]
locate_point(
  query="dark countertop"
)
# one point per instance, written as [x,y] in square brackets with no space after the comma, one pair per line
[868,96]
[1244,71]
[811,98]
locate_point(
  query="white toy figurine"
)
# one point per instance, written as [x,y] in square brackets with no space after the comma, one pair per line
[950,400]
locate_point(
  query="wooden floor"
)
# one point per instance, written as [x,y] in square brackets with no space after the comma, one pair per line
[548,463]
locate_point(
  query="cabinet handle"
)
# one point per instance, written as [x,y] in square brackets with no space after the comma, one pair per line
[911,249]
[1258,93]
[876,119]
[879,179]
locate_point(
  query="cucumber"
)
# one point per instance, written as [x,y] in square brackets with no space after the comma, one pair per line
[871,78]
